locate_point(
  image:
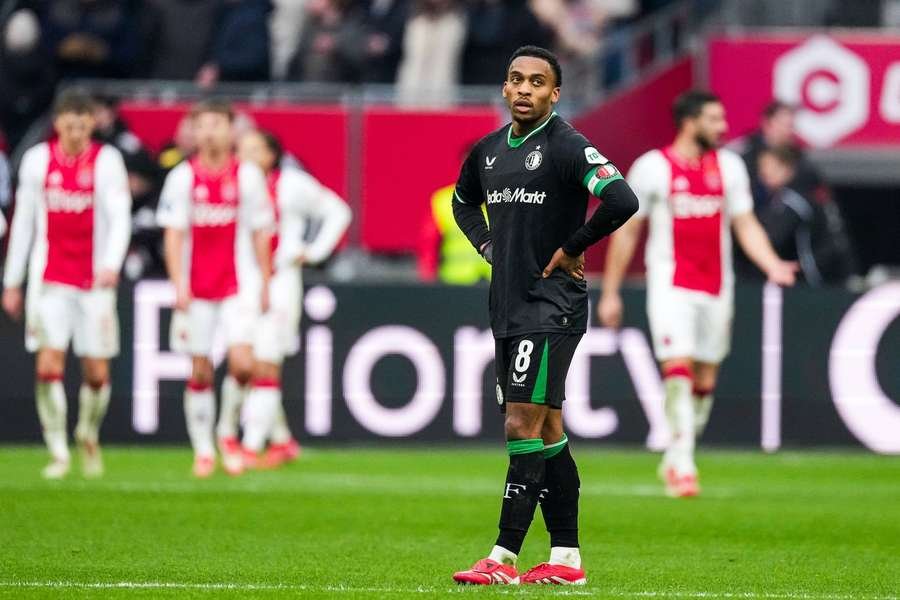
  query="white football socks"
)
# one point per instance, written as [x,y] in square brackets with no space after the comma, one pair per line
[680,415]
[92,406]
[503,556]
[259,415]
[281,433]
[233,395]
[51,406]
[199,412]
[569,557]
[702,408]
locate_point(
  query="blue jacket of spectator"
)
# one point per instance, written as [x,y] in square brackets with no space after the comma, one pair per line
[106,32]
[241,47]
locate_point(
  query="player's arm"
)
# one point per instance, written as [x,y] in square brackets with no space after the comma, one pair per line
[324,204]
[618,256]
[258,214]
[173,215]
[617,204]
[115,201]
[262,248]
[467,200]
[747,229]
[644,179]
[755,243]
[583,163]
[21,236]
[173,254]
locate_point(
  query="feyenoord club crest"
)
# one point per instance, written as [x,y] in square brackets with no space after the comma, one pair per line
[533,160]
[606,171]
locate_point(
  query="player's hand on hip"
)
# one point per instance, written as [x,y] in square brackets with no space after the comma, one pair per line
[783,273]
[12,302]
[487,252]
[106,278]
[572,265]
[609,311]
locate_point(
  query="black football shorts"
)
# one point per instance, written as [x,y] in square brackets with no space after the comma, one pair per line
[533,367]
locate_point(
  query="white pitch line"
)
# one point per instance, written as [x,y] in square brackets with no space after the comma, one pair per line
[350,484]
[511,590]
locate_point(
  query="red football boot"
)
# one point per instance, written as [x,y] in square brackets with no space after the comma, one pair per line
[279,454]
[204,466]
[232,461]
[681,486]
[250,459]
[688,486]
[488,572]
[554,575]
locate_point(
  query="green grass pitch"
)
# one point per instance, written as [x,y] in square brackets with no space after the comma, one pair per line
[395,523]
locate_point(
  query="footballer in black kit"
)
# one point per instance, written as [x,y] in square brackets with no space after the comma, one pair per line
[535,175]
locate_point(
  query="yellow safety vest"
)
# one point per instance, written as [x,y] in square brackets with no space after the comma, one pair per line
[460,263]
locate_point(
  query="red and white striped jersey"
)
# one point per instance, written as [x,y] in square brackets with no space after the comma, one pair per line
[72,216]
[297,197]
[220,210]
[690,205]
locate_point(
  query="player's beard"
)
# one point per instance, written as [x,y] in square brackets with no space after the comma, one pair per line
[530,121]
[705,143]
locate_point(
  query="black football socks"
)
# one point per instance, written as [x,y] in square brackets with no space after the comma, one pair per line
[524,481]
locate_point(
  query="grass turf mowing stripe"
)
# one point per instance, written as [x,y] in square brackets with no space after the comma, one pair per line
[224,586]
[391,523]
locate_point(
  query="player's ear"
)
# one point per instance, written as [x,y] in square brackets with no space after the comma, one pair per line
[554,97]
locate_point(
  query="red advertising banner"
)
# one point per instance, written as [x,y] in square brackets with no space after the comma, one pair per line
[316,135]
[846,87]
[409,155]
[406,155]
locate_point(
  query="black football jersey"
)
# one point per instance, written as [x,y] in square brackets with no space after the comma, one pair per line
[536,192]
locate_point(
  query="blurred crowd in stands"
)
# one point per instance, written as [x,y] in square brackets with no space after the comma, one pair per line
[422,46]
[813,13]
[426,47]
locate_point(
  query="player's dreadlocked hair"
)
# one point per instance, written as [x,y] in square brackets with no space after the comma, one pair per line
[690,104]
[73,100]
[543,54]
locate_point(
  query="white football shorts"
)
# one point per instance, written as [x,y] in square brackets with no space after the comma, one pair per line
[278,333]
[690,324]
[193,332]
[61,314]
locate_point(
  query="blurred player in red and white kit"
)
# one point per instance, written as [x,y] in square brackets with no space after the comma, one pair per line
[71,227]
[693,193]
[297,198]
[217,221]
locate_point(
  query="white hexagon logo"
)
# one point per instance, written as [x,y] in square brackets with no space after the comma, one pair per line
[830,86]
